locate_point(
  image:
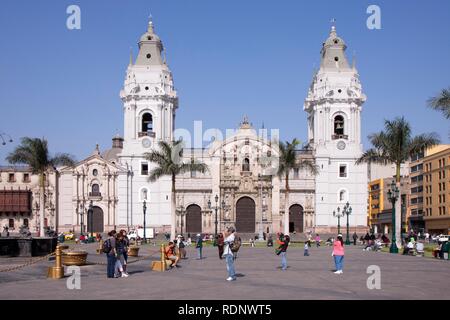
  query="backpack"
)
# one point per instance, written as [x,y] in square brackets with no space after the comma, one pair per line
[235,245]
[106,247]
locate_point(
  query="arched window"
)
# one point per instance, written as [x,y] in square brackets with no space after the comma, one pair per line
[246,165]
[342,195]
[95,190]
[147,122]
[339,125]
[144,194]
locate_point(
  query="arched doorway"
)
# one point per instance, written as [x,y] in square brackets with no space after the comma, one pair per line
[193,219]
[245,215]
[296,218]
[95,220]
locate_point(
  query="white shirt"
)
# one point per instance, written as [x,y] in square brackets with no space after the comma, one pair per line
[227,241]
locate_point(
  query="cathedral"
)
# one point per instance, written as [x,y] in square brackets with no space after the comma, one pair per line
[241,187]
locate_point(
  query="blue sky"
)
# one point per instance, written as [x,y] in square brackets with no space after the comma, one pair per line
[229,58]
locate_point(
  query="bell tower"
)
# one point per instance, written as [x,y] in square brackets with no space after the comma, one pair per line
[149,97]
[149,105]
[334,105]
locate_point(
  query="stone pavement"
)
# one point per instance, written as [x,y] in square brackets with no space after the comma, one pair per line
[259,277]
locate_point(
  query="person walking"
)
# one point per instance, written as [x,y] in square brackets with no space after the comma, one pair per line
[229,238]
[199,246]
[182,247]
[220,244]
[120,259]
[355,238]
[126,243]
[317,240]
[109,247]
[283,242]
[338,254]
[306,251]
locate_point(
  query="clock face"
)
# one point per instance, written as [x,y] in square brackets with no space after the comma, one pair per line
[146,143]
[341,145]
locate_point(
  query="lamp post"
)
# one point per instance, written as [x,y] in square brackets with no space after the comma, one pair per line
[81,213]
[261,228]
[144,210]
[181,212]
[216,207]
[393,194]
[2,137]
[339,216]
[347,211]
[91,217]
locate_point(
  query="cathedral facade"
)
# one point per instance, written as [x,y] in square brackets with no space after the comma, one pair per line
[241,187]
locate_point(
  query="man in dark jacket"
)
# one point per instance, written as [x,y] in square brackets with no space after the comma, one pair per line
[283,242]
[355,237]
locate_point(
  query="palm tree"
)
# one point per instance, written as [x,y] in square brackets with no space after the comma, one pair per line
[441,102]
[169,163]
[287,162]
[34,153]
[395,145]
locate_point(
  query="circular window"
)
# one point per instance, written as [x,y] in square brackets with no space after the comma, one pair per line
[146,88]
[149,38]
[149,55]
[336,58]
[339,90]
[94,172]
[336,41]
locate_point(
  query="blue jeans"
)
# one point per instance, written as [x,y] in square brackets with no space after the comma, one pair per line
[306,253]
[283,261]
[111,264]
[230,265]
[339,262]
[199,253]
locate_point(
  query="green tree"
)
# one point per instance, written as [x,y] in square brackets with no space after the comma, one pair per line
[168,160]
[287,162]
[395,145]
[34,153]
[441,102]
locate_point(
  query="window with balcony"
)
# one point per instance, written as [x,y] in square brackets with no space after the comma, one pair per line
[95,190]
[342,171]
[296,174]
[11,177]
[25,222]
[147,125]
[11,223]
[339,128]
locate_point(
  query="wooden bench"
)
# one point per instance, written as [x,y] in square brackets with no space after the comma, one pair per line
[244,244]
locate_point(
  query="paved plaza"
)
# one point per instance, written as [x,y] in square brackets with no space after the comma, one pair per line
[402,277]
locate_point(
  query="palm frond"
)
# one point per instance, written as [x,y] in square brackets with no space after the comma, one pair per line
[422,142]
[441,102]
[373,156]
[157,173]
[63,159]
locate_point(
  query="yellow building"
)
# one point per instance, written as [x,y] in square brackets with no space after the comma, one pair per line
[380,208]
[436,190]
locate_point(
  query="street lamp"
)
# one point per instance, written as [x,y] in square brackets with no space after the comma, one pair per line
[2,136]
[339,216]
[181,212]
[347,211]
[91,217]
[81,213]
[216,208]
[393,194]
[144,209]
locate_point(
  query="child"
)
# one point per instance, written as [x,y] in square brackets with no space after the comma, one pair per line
[306,252]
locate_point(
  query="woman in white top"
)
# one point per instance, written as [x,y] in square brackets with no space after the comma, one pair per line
[228,254]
